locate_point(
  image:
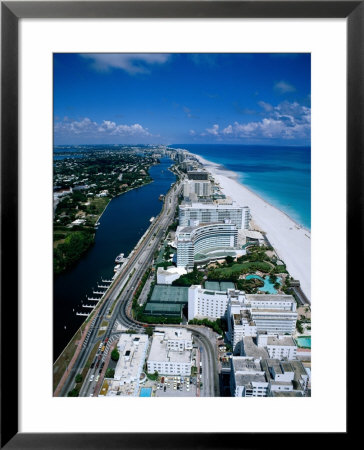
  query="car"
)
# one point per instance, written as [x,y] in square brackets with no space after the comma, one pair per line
[174,387]
[97,378]
[100,370]
[91,377]
[187,389]
[164,389]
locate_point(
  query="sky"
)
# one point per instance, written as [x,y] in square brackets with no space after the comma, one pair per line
[197,98]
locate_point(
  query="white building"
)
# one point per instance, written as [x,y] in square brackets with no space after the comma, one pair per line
[249,314]
[205,242]
[285,376]
[278,346]
[206,303]
[212,213]
[170,274]
[198,188]
[247,378]
[171,352]
[133,351]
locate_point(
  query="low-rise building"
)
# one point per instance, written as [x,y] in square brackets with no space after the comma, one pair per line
[133,351]
[167,276]
[278,346]
[286,376]
[247,378]
[249,314]
[171,352]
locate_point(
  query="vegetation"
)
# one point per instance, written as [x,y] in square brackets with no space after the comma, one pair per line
[149,331]
[110,373]
[157,319]
[249,286]
[299,326]
[217,326]
[115,355]
[194,277]
[73,393]
[68,252]
[233,272]
[78,378]
[153,376]
[85,182]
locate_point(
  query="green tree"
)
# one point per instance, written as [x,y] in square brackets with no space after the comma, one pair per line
[110,373]
[115,355]
[78,378]
[149,331]
[73,393]
[229,260]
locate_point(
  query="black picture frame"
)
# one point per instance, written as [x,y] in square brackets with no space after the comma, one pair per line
[11,12]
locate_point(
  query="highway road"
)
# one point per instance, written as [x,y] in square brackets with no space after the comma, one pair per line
[139,261]
[122,291]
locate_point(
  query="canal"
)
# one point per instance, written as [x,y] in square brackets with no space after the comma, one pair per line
[122,224]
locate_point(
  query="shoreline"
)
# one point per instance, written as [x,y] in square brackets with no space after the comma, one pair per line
[234,176]
[291,241]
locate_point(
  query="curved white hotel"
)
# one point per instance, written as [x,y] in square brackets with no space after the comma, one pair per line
[203,242]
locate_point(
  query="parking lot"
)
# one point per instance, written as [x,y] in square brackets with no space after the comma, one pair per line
[176,387]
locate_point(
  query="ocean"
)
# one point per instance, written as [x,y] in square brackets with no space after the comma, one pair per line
[280,175]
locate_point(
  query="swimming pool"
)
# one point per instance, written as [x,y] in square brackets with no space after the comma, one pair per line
[268,286]
[145,392]
[304,341]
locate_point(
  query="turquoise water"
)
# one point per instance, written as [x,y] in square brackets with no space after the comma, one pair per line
[145,392]
[280,175]
[268,286]
[304,341]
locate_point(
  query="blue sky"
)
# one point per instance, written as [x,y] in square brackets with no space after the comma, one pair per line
[185,98]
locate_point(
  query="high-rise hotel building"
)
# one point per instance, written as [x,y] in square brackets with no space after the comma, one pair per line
[201,243]
[190,214]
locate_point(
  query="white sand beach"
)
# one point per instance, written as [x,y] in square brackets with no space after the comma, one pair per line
[291,241]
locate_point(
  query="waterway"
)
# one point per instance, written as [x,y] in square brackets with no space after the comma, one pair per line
[123,223]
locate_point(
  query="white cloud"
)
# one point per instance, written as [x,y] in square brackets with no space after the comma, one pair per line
[88,127]
[192,132]
[214,130]
[284,121]
[266,106]
[132,63]
[283,87]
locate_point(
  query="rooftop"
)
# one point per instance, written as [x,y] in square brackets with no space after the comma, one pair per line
[169,294]
[270,298]
[281,340]
[243,364]
[247,379]
[221,286]
[251,349]
[132,348]
[287,394]
[159,350]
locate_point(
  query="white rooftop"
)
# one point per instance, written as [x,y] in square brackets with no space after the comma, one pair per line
[132,349]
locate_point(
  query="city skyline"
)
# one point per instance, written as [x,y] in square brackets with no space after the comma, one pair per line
[190,98]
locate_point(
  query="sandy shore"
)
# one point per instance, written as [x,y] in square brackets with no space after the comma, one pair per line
[291,241]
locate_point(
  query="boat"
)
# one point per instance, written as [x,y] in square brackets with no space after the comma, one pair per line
[117,267]
[151,219]
[119,258]
[161,197]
